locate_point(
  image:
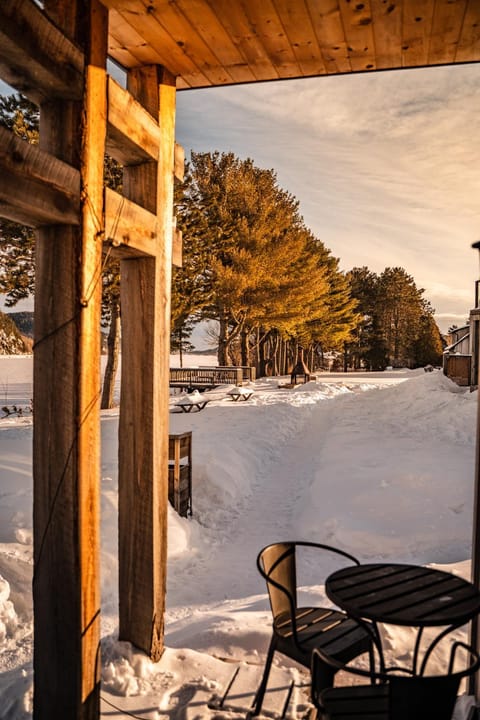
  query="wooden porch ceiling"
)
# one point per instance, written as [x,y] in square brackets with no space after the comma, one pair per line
[208,43]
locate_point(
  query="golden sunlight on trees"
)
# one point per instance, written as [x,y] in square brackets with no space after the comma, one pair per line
[254,266]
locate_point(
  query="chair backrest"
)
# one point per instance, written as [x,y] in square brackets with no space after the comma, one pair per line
[432,696]
[276,563]
[410,697]
[422,697]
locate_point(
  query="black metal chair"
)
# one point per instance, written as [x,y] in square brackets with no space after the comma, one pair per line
[395,697]
[298,630]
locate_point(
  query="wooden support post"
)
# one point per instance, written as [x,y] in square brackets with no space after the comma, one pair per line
[66,449]
[143,427]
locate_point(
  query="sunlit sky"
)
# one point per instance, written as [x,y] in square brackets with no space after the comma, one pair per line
[386,166]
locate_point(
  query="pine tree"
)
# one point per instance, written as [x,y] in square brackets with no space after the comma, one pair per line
[250,263]
[398,327]
[17,242]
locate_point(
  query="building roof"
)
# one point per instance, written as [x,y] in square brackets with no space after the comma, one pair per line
[220,42]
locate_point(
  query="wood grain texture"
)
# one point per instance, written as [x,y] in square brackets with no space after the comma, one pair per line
[35,56]
[66,464]
[416,32]
[129,228]
[38,188]
[216,42]
[143,426]
[133,134]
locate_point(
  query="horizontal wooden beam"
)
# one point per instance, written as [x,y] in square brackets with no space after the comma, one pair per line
[179,163]
[129,229]
[35,56]
[177,248]
[35,187]
[133,136]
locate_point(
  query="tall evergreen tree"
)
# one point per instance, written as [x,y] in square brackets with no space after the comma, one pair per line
[255,265]
[17,242]
[398,326]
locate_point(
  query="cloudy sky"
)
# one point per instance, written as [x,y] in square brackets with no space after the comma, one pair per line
[386,166]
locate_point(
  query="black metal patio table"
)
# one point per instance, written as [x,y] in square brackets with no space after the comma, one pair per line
[408,595]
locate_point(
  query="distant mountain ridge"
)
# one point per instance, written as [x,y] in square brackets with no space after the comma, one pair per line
[12,341]
[23,321]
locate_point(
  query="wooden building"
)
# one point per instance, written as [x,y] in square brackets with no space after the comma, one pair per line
[55,52]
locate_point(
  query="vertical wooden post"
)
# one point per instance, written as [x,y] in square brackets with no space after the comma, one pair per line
[66,448]
[143,427]
[474,680]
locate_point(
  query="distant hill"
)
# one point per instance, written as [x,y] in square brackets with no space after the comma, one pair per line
[23,321]
[11,340]
[212,351]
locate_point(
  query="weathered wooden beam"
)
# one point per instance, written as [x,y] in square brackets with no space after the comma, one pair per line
[129,229]
[177,248]
[143,426]
[66,448]
[133,134]
[35,187]
[35,56]
[179,163]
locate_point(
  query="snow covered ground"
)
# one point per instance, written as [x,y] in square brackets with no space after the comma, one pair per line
[380,464]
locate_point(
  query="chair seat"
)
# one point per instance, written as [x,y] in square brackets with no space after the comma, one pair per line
[357,702]
[298,631]
[331,630]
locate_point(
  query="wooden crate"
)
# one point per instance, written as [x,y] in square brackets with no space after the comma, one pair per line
[458,368]
[180,472]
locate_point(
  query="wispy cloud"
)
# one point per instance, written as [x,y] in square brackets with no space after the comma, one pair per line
[385,165]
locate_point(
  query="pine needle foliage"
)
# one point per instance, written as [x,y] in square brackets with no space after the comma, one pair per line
[249,261]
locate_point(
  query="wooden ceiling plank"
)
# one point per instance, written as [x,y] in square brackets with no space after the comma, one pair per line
[201,16]
[469,44]
[227,41]
[416,30]
[387,33]
[138,52]
[263,18]
[185,36]
[122,56]
[327,24]
[299,30]
[446,29]
[118,29]
[357,23]
[165,50]
[243,35]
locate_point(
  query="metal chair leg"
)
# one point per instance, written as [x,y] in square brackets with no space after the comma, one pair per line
[263,685]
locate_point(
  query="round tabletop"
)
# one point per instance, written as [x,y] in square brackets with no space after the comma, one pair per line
[403,595]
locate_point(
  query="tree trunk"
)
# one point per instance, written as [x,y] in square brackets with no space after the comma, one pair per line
[244,347]
[113,346]
[262,360]
[180,348]
[222,352]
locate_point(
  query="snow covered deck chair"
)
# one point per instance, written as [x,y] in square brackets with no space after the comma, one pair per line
[393,697]
[298,630]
